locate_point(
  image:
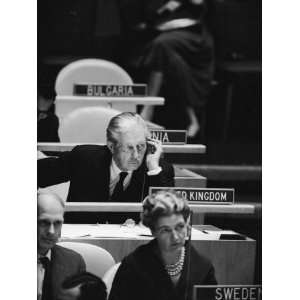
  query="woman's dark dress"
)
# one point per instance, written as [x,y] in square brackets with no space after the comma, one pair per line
[141,276]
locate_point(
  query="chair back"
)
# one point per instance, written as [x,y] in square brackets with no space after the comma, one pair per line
[97,259]
[109,276]
[61,190]
[86,125]
[91,71]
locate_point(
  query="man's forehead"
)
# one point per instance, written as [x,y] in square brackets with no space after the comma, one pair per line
[51,217]
[133,137]
[48,202]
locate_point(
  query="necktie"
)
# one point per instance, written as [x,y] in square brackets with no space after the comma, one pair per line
[119,189]
[47,288]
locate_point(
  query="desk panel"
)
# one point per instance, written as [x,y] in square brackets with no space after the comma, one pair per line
[66,104]
[187,178]
[60,147]
[137,207]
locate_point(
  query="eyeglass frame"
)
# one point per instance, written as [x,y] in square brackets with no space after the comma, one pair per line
[131,148]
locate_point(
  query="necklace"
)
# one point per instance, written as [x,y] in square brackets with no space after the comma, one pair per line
[176,268]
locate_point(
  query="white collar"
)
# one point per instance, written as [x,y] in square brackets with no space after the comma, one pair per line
[115,170]
[48,254]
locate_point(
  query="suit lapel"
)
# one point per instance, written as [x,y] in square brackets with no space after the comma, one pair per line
[58,268]
[137,184]
[106,175]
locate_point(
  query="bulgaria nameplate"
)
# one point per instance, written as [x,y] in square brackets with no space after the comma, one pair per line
[110,90]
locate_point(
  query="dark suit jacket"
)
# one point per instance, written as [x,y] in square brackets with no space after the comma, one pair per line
[88,169]
[64,263]
[142,275]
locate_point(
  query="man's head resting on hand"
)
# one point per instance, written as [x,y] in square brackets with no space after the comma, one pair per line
[127,135]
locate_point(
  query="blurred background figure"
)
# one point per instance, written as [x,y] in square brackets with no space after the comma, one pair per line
[84,286]
[168,266]
[177,56]
[47,121]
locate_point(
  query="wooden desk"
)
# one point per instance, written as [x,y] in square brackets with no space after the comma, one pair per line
[66,104]
[60,147]
[234,261]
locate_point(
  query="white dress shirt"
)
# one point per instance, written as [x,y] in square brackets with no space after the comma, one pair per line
[115,176]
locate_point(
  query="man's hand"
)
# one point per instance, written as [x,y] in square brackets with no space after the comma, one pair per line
[70,294]
[154,152]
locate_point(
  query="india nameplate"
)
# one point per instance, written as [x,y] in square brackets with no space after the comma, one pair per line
[169,137]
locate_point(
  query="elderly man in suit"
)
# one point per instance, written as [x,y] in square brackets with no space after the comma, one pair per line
[55,263]
[121,171]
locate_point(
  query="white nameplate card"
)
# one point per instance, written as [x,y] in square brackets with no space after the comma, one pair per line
[110,90]
[201,195]
[170,137]
[227,292]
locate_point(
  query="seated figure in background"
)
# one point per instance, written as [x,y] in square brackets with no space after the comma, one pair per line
[122,171]
[54,263]
[178,58]
[168,266]
[47,121]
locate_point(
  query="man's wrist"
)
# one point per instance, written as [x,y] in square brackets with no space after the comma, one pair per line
[154,171]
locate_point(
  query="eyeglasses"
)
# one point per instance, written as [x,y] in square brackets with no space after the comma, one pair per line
[140,148]
[165,230]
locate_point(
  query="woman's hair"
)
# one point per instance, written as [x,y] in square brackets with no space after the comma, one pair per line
[161,204]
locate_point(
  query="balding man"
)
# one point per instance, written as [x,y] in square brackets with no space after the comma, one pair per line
[122,171]
[55,263]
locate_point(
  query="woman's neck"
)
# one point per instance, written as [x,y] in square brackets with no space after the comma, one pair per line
[170,257]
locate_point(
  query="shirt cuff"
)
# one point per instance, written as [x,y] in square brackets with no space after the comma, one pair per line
[154,171]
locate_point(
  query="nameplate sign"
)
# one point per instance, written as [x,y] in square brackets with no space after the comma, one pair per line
[170,137]
[110,90]
[227,292]
[201,195]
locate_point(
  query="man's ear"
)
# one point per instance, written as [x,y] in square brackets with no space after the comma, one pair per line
[110,146]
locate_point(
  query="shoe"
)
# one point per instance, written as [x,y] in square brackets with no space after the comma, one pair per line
[193,130]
